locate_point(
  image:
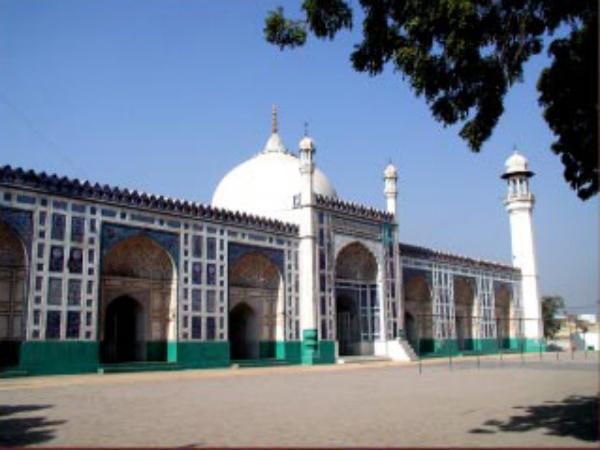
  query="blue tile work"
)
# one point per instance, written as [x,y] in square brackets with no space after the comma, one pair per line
[112,234]
[236,251]
[22,223]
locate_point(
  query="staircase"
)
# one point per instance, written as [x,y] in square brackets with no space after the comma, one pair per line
[408,349]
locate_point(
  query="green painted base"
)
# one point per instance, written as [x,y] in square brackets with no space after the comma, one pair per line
[200,355]
[441,348]
[161,351]
[59,357]
[309,351]
[325,353]
[309,345]
[289,351]
[69,357]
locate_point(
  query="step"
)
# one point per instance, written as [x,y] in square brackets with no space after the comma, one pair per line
[144,366]
[13,373]
[267,362]
[367,359]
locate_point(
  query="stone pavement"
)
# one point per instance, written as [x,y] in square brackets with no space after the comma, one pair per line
[502,403]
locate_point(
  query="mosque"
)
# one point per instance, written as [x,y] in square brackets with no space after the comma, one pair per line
[277,270]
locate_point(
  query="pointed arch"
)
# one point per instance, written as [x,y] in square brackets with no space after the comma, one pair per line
[256,305]
[138,269]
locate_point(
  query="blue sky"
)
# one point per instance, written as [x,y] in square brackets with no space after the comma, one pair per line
[168,95]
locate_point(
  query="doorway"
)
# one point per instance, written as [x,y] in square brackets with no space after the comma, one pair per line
[243,332]
[348,326]
[124,334]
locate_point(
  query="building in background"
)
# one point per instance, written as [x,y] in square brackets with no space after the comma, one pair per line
[278,269]
[576,332]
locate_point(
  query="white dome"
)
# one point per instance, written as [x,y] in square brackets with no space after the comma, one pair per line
[516,163]
[265,185]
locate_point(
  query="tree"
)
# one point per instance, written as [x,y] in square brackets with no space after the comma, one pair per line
[463,55]
[551,304]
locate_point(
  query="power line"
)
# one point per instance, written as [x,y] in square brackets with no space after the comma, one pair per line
[40,135]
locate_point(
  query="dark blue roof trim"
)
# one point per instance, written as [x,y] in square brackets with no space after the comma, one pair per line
[68,187]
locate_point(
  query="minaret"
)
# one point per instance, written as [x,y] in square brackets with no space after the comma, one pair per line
[519,204]
[390,178]
[307,255]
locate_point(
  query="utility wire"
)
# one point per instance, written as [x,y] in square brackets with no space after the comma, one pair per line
[40,135]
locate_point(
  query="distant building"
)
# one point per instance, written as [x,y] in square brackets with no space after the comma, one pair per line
[278,269]
[577,332]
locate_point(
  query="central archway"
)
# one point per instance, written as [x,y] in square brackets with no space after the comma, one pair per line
[138,305]
[256,317]
[357,306]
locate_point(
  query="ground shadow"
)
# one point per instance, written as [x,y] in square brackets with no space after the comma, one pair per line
[20,431]
[575,416]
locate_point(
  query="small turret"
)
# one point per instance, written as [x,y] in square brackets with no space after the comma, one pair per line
[390,178]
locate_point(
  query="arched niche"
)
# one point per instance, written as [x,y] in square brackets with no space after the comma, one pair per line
[13,276]
[465,314]
[256,286]
[139,269]
[418,308]
[502,311]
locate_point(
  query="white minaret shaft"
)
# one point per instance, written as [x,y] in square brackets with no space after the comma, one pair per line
[519,204]
[390,178]
[307,250]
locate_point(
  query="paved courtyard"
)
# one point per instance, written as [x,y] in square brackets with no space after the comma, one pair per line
[508,403]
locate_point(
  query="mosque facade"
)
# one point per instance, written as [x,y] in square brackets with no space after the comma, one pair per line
[277,270]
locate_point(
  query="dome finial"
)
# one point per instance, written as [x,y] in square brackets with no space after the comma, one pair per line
[274,119]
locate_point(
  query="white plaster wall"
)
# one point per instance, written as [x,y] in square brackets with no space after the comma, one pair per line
[524,257]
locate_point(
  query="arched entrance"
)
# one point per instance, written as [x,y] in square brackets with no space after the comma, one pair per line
[124,328]
[464,296]
[418,310]
[12,295]
[243,332]
[256,319]
[138,307]
[357,305]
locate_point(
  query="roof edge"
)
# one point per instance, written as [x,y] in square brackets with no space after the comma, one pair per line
[73,187]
